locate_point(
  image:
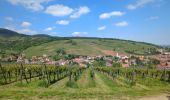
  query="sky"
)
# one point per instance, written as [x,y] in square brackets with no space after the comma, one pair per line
[138,20]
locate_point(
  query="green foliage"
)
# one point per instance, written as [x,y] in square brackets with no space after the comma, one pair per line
[72,42]
[59,54]
[91,78]
[167,49]
[104,86]
[116,65]
[2,51]
[99,62]
[92,75]
[1,82]
[152,51]
[38,45]
[152,63]
[131,75]
[139,62]
[88,47]
[61,51]
[42,83]
[147,51]
[57,57]
[72,84]
[70,56]
[19,84]
[47,74]
[155,61]
[115,59]
[7,46]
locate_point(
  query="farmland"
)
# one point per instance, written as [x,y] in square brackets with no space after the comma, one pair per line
[91,47]
[15,44]
[84,50]
[82,83]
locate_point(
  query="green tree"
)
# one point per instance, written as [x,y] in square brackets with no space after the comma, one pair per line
[99,62]
[61,51]
[69,56]
[59,54]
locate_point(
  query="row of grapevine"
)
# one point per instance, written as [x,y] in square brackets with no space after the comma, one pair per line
[132,74]
[10,73]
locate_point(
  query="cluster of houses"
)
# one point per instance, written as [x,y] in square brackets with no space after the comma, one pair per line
[124,60]
[34,59]
[164,59]
[81,60]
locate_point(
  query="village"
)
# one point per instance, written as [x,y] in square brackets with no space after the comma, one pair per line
[160,61]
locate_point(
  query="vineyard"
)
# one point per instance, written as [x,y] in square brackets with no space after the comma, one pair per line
[24,81]
[49,74]
[133,76]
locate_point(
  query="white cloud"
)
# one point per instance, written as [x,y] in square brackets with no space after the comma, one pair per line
[122,24]
[52,33]
[25,24]
[111,14]
[9,18]
[63,22]
[59,10]
[81,11]
[49,29]
[35,5]
[22,31]
[139,3]
[78,34]
[153,18]
[10,28]
[101,28]
[27,31]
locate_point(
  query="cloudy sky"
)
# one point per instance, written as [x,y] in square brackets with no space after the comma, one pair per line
[140,20]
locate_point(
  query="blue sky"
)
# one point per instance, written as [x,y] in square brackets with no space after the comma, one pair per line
[139,20]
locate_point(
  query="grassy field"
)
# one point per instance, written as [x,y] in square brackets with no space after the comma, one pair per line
[102,87]
[88,47]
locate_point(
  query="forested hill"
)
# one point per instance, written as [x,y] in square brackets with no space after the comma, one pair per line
[13,42]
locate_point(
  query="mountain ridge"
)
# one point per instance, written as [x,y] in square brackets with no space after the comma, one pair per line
[45,35]
[9,33]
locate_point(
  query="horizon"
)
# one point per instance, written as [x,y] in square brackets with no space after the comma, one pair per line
[92,38]
[113,19]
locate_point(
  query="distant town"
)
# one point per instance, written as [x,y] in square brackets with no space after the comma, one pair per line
[159,61]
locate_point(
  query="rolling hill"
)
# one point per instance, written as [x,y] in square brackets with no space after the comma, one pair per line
[9,33]
[91,46]
[37,45]
[13,42]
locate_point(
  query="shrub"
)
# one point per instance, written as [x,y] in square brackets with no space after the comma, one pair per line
[42,83]
[19,84]
[72,84]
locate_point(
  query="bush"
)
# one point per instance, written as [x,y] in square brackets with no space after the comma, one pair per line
[72,84]
[19,84]
[1,82]
[116,65]
[42,83]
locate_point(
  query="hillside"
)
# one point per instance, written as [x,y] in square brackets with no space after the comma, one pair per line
[91,46]
[13,42]
[8,33]
[37,45]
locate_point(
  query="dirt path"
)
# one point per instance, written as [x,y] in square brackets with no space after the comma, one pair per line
[83,81]
[157,97]
[107,52]
[110,52]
